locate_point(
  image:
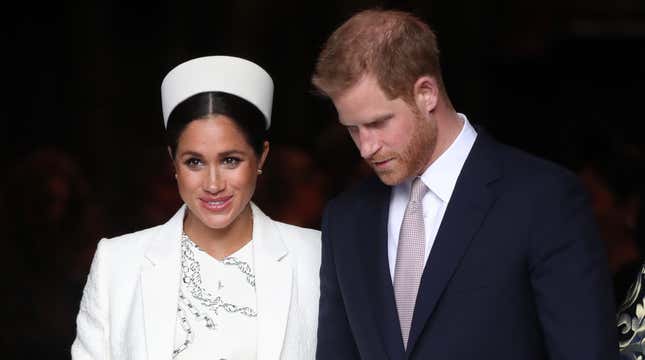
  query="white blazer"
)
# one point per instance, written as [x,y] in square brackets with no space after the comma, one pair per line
[128,310]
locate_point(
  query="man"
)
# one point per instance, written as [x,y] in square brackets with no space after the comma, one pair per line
[463,248]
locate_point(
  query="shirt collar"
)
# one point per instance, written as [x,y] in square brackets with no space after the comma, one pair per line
[441,176]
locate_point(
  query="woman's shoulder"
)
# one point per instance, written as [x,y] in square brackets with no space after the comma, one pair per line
[299,239]
[131,240]
[287,231]
[123,256]
[298,231]
[140,240]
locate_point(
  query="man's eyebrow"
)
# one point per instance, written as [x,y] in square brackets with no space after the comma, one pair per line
[377,119]
[382,118]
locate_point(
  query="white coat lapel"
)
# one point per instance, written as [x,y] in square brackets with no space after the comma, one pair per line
[273,285]
[160,286]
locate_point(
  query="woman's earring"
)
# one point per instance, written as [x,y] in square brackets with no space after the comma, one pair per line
[259,171]
[175,176]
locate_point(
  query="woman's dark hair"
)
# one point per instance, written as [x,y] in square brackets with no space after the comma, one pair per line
[248,118]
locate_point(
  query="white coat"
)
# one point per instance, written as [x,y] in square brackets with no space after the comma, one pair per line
[128,309]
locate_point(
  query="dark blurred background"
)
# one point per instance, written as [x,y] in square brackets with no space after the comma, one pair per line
[82,132]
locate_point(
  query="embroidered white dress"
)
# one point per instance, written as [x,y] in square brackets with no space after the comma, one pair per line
[216,312]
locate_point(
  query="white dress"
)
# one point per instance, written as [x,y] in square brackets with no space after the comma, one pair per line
[216,312]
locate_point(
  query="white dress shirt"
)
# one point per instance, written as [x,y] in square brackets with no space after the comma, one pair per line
[440,178]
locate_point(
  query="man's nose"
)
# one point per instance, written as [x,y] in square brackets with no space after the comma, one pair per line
[367,143]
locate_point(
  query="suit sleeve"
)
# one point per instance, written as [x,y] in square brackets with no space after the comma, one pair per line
[335,339]
[92,328]
[570,277]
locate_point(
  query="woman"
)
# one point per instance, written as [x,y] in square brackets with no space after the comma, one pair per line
[219,280]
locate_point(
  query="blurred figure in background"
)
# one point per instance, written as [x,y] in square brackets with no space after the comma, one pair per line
[613,172]
[339,160]
[51,222]
[611,167]
[293,188]
[156,189]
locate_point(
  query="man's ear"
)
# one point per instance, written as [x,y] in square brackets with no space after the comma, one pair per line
[426,93]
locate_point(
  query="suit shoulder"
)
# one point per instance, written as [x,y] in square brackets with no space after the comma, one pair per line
[536,182]
[525,168]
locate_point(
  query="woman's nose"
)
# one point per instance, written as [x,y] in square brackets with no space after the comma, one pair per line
[213,182]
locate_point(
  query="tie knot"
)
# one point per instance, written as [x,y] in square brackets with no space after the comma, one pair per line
[418,190]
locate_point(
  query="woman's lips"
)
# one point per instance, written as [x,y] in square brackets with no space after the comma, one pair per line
[217,204]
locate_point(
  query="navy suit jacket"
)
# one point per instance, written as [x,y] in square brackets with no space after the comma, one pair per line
[517,270]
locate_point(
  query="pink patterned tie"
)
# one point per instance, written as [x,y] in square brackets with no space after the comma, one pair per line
[410,257]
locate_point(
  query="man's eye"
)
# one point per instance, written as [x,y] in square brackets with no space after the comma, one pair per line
[379,124]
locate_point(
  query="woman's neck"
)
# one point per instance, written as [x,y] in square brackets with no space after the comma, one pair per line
[220,243]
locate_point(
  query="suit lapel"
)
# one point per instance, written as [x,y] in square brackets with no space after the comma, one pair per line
[160,285]
[273,286]
[373,253]
[470,202]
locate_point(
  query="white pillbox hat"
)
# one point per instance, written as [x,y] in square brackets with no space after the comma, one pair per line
[227,74]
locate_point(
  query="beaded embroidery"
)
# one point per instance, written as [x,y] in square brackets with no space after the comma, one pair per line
[204,305]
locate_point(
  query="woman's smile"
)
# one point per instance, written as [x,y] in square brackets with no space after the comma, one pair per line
[216,204]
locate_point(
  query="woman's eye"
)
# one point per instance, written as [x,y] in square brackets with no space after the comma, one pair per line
[193,162]
[231,162]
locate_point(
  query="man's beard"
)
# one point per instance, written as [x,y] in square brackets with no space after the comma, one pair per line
[414,158]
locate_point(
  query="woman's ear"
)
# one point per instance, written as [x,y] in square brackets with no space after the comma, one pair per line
[172,158]
[263,157]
